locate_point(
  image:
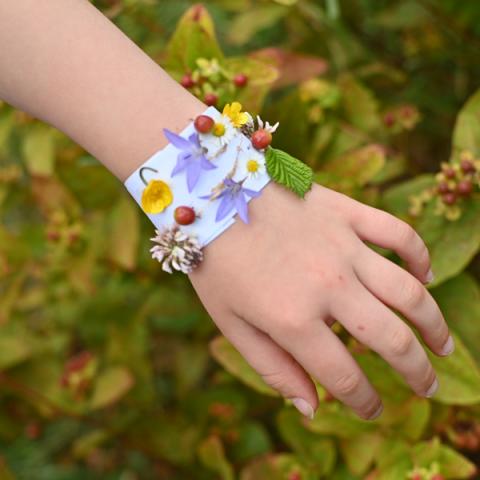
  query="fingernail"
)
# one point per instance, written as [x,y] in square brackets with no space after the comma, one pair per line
[303,407]
[430,276]
[449,346]
[377,413]
[433,388]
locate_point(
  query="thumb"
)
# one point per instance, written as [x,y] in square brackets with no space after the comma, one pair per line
[276,366]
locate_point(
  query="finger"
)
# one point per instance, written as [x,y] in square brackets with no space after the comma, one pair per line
[387,231]
[376,326]
[397,288]
[276,366]
[325,357]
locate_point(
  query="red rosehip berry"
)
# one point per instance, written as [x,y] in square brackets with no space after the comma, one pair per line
[32,430]
[187,81]
[210,99]
[184,215]
[449,198]
[465,187]
[261,139]
[203,123]
[449,172]
[416,476]
[443,187]
[467,166]
[240,80]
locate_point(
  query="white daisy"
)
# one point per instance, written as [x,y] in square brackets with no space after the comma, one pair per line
[216,141]
[251,165]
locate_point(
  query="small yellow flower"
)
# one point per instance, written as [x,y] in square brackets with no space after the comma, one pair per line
[234,112]
[156,196]
[252,166]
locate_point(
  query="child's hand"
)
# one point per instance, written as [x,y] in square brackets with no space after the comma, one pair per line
[274,286]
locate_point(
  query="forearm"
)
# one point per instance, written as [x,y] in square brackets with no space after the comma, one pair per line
[65,63]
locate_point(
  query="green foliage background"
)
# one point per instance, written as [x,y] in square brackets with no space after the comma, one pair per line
[111,369]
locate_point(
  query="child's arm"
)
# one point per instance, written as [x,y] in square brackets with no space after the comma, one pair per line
[273,286]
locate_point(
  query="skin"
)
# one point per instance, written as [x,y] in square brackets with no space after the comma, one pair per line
[273,287]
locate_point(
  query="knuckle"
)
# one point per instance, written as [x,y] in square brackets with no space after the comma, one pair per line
[347,384]
[277,380]
[291,324]
[413,293]
[401,339]
[405,233]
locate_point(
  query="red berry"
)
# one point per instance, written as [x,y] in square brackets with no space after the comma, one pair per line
[184,215]
[187,81]
[240,80]
[53,235]
[295,476]
[261,139]
[443,187]
[211,99]
[449,198]
[465,187]
[438,476]
[449,172]
[32,430]
[467,166]
[416,476]
[203,123]
[389,119]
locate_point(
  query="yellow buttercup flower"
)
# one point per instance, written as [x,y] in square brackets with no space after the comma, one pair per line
[156,196]
[234,112]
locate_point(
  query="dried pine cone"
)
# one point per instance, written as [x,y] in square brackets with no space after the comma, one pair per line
[176,249]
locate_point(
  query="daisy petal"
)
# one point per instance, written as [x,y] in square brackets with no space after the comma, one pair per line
[225,207]
[177,140]
[241,206]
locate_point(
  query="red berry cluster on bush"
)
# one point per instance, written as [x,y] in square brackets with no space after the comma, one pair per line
[210,81]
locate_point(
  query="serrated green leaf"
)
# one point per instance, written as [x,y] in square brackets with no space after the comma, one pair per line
[289,171]
[212,455]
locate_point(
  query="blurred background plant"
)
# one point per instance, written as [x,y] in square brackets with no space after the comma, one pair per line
[111,369]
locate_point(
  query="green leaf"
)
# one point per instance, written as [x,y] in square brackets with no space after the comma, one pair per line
[396,198]
[334,419]
[360,451]
[359,104]
[124,233]
[111,385]
[38,149]
[466,135]
[14,349]
[316,450]
[452,244]
[212,455]
[289,171]
[354,168]
[451,463]
[261,75]
[225,353]
[193,38]
[458,376]
[459,301]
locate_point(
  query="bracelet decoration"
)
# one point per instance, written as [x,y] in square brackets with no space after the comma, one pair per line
[192,189]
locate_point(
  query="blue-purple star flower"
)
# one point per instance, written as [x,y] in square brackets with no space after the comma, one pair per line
[191,158]
[233,196]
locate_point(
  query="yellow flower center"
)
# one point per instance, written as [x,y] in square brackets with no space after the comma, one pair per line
[253,166]
[218,129]
[156,196]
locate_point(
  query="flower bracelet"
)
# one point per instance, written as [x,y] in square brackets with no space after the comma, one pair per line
[192,189]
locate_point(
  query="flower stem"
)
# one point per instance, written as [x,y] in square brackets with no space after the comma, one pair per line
[141,173]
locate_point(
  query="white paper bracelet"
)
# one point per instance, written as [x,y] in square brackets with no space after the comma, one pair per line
[215,173]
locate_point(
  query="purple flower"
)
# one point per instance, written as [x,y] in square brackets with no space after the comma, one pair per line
[191,158]
[233,196]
